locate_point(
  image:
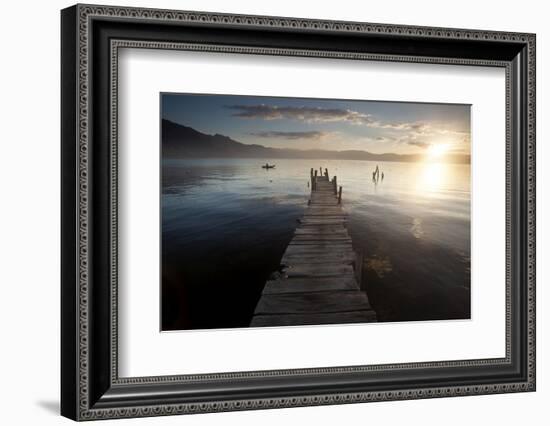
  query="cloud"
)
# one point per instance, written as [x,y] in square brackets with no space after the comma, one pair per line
[418,134]
[307,114]
[416,127]
[419,144]
[323,115]
[291,135]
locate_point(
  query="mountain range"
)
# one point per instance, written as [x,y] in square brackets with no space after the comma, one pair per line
[179,141]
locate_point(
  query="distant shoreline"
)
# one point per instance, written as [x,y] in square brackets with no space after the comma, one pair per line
[182,142]
[262,160]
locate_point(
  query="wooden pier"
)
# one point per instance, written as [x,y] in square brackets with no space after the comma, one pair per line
[318,283]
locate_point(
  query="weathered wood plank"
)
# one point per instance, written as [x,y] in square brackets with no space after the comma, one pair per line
[315,319]
[327,244]
[317,257]
[319,240]
[337,226]
[325,240]
[319,248]
[324,213]
[297,256]
[311,221]
[327,232]
[318,216]
[321,227]
[321,237]
[302,285]
[305,235]
[339,216]
[325,209]
[317,254]
[313,302]
[327,236]
[316,270]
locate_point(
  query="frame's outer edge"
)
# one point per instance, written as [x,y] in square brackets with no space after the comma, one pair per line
[531,113]
[75,204]
[69,191]
[283,22]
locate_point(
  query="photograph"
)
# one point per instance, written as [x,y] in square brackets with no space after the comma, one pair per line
[287,211]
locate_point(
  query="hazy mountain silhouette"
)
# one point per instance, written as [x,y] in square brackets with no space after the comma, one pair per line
[179,141]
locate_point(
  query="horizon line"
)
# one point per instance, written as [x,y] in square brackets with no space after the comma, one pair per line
[309,150]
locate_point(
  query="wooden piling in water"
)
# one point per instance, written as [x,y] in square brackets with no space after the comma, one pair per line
[314,181]
[318,283]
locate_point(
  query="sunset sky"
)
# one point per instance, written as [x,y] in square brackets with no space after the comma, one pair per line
[307,123]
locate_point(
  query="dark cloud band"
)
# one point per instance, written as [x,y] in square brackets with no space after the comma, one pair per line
[273,112]
[290,135]
[321,115]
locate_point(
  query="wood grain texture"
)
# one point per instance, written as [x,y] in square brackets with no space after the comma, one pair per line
[313,302]
[313,319]
[305,285]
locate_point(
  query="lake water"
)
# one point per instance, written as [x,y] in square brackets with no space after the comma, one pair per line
[226,224]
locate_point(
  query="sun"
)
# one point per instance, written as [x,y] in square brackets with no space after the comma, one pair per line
[436,151]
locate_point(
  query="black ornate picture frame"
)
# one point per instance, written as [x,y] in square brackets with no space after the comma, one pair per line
[91,37]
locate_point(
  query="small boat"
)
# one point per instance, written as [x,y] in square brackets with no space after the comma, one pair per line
[268,166]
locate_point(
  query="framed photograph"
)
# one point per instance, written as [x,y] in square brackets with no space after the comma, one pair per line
[263,212]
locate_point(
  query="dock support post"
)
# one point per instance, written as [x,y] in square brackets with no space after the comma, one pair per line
[320,171]
[340,196]
[326,173]
[335,185]
[314,183]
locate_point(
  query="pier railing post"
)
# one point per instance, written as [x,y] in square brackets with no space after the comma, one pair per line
[340,196]
[326,173]
[335,185]
[314,184]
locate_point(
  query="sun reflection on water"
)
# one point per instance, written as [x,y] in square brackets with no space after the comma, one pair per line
[433,177]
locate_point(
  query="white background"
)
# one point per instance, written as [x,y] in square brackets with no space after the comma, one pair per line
[29,225]
[146,352]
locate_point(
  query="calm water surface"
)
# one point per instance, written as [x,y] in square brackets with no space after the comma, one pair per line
[226,224]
